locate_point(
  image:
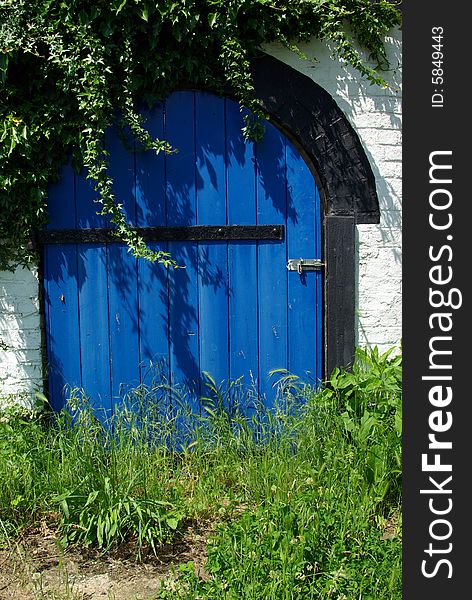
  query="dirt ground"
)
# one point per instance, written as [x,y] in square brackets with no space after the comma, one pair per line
[36,568]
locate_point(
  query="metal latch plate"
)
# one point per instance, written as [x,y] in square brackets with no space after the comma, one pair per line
[304,264]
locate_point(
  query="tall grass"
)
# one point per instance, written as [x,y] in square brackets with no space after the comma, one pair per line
[302,496]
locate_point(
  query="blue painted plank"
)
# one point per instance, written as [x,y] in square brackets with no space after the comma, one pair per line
[62,322]
[153,321]
[61,201]
[86,207]
[272,257]
[61,291]
[120,146]
[212,256]
[303,340]
[122,276]
[150,175]
[181,210]
[242,265]
[152,278]
[94,330]
[123,319]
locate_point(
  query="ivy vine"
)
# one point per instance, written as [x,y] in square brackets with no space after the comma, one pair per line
[69,67]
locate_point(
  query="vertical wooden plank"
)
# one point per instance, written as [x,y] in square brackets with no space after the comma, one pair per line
[122,276]
[63,325]
[120,146]
[61,294]
[152,278]
[86,207]
[94,330]
[241,181]
[93,302]
[181,210]
[340,291]
[153,320]
[302,227]
[272,272]
[150,175]
[319,289]
[123,319]
[212,256]
[61,200]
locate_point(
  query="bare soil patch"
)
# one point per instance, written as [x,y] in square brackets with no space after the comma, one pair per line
[36,567]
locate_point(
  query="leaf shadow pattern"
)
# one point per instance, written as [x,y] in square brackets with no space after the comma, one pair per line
[156,308]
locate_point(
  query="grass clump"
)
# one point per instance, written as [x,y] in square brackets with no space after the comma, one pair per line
[305,500]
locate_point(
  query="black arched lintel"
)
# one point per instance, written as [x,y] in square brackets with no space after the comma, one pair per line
[305,110]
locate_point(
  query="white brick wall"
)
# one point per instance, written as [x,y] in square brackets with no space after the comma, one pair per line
[376,116]
[20,336]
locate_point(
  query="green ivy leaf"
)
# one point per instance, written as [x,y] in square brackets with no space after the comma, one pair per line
[121,6]
[66,71]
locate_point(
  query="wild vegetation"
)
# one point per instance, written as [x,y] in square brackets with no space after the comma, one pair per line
[68,70]
[304,501]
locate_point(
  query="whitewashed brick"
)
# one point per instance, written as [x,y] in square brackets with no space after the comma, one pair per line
[382,120]
[386,153]
[379,136]
[379,235]
[20,360]
[390,169]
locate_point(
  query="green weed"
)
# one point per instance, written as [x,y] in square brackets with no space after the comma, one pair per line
[370,403]
[301,496]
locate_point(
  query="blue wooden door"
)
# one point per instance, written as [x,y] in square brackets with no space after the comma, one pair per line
[234,311]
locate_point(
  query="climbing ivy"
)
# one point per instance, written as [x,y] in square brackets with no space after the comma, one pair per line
[71,68]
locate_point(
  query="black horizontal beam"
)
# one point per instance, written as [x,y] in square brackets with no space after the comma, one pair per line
[193,233]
